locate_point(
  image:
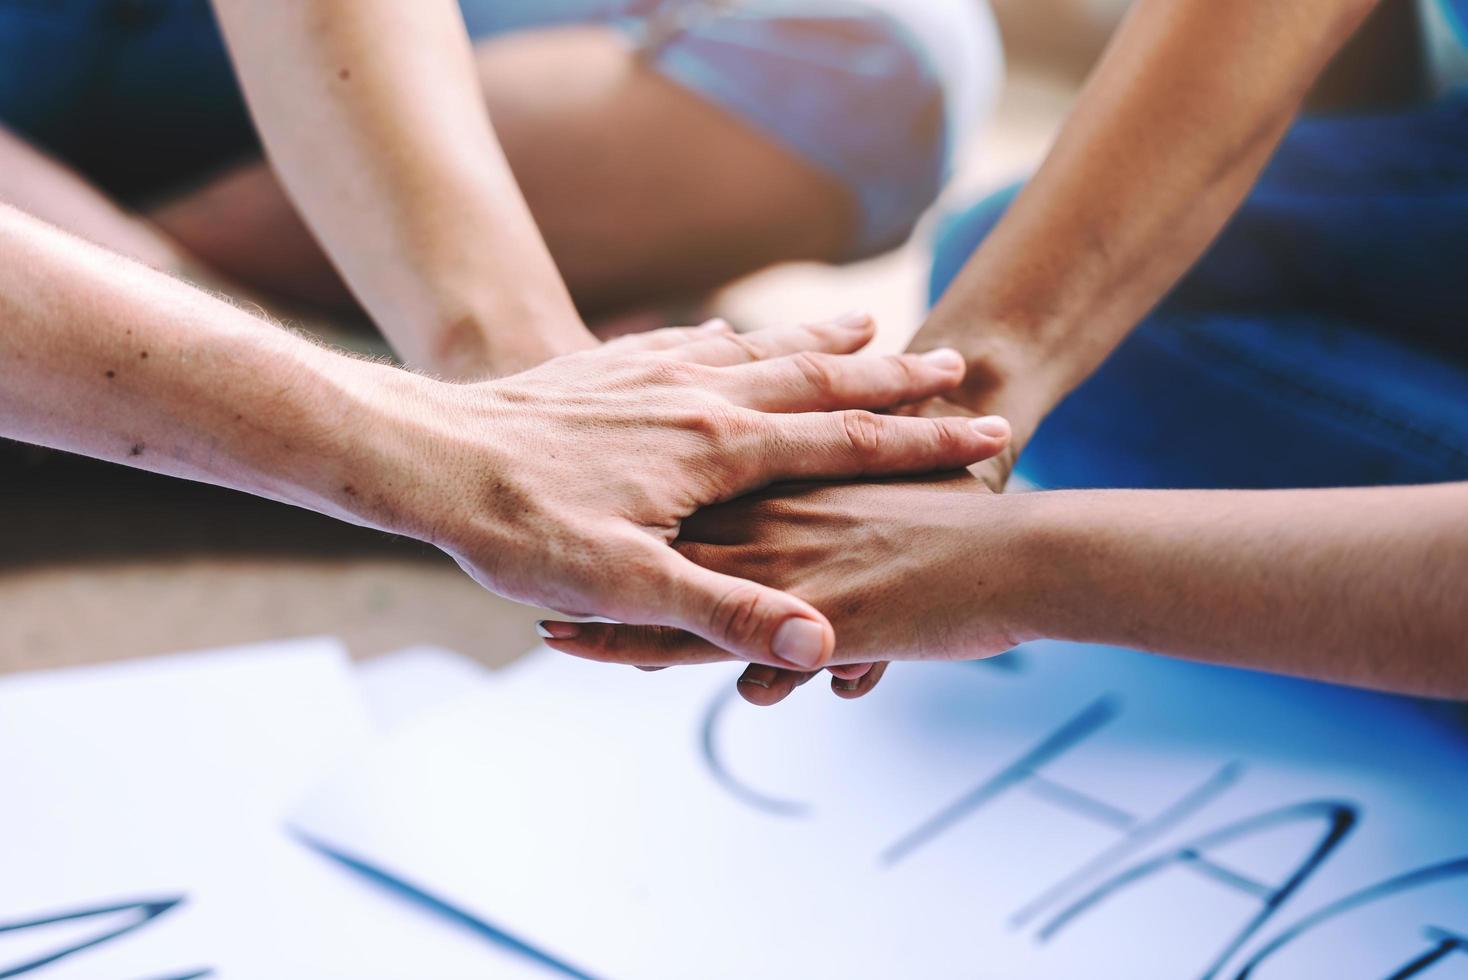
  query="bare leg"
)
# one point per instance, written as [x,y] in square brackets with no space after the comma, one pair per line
[644,192]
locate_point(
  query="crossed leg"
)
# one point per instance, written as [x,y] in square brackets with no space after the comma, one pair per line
[646,194]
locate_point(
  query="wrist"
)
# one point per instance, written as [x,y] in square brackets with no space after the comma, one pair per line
[380,438]
[1063,565]
[1003,534]
[473,342]
[1007,374]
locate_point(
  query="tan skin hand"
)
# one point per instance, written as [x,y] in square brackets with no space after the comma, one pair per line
[767,686]
[800,520]
[1350,586]
[880,559]
[978,396]
[1000,380]
[614,448]
[1114,218]
[1093,243]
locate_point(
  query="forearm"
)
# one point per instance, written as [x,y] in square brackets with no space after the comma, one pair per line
[38,185]
[1364,587]
[106,358]
[1168,136]
[372,113]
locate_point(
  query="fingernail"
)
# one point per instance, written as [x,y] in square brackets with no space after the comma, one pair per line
[853,321]
[758,677]
[992,426]
[944,357]
[557,631]
[841,685]
[800,642]
[717,325]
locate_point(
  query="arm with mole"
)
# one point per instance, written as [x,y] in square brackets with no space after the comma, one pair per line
[373,116]
[526,481]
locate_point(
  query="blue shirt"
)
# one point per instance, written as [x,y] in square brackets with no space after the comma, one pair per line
[1457,14]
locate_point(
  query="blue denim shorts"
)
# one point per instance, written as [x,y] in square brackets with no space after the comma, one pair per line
[139,94]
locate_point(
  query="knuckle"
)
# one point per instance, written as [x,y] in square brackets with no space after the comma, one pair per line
[737,614]
[950,435]
[906,370]
[748,347]
[724,426]
[818,371]
[932,437]
[666,372]
[865,433]
[724,434]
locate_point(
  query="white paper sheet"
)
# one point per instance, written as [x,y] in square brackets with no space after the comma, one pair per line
[158,789]
[403,686]
[965,821]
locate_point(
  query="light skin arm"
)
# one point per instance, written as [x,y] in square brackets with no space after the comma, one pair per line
[372,114]
[104,357]
[1169,134]
[528,481]
[1362,587]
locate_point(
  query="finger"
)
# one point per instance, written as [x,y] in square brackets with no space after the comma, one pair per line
[850,690]
[669,338]
[818,382]
[844,335]
[644,647]
[768,686]
[851,444]
[752,621]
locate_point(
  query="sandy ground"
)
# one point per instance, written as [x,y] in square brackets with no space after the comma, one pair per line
[100,566]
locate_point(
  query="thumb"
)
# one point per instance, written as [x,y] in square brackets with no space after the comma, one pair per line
[751,621]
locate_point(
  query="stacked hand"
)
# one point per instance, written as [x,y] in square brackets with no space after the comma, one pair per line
[876,557]
[573,480]
[893,564]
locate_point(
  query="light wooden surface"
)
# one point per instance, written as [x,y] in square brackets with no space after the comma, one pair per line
[88,613]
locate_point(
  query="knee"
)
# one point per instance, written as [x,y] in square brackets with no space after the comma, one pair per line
[961,234]
[877,96]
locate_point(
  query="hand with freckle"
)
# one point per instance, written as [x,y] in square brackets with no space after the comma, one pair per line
[570,482]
